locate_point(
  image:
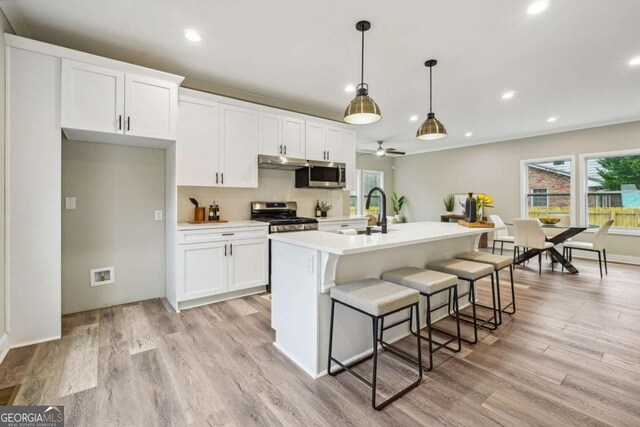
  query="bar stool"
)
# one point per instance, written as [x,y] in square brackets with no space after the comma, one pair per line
[428,283]
[470,271]
[498,262]
[376,299]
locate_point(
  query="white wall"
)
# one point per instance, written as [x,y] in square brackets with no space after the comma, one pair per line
[273,185]
[495,169]
[117,190]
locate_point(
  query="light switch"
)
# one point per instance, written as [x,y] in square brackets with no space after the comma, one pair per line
[158,215]
[70,203]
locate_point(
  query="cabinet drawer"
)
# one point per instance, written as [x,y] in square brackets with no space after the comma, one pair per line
[214,235]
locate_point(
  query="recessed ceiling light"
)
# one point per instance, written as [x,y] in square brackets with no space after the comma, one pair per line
[537,7]
[468,134]
[509,95]
[413,118]
[552,119]
[349,88]
[192,36]
[635,61]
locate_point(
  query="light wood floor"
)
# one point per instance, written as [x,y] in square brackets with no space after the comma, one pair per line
[569,356]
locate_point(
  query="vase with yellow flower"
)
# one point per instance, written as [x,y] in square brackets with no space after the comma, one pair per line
[483,201]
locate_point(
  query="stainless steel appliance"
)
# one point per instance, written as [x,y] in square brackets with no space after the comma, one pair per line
[322,175]
[282,217]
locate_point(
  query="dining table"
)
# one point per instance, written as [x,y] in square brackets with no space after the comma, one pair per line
[556,234]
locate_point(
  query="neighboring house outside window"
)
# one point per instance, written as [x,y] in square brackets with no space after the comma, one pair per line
[539,201]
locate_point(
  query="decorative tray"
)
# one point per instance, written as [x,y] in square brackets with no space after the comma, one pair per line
[479,224]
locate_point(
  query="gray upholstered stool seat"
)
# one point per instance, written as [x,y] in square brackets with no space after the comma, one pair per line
[430,284]
[498,261]
[423,281]
[467,270]
[374,296]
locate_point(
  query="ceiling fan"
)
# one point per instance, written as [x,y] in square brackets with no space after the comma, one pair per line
[383,152]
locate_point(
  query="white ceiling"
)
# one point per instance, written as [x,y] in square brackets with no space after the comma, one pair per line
[570,61]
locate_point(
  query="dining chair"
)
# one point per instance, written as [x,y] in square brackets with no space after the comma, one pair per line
[527,233]
[598,244]
[501,236]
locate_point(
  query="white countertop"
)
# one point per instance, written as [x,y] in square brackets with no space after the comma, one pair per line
[398,235]
[230,224]
[341,218]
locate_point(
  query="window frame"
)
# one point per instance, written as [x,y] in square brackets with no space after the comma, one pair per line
[524,184]
[583,198]
[360,188]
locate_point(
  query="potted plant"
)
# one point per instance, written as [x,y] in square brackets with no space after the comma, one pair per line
[483,201]
[449,203]
[397,202]
[324,209]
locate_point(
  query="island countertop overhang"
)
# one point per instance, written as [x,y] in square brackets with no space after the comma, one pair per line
[398,235]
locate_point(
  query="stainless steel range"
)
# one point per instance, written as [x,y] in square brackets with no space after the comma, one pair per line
[282,217]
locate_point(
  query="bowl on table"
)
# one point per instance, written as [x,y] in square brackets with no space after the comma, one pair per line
[549,221]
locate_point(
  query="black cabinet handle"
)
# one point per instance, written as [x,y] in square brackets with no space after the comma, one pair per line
[120,122]
[216,177]
[222,178]
[324,155]
[231,249]
[327,155]
[280,149]
[225,249]
[285,150]
[228,234]
[128,122]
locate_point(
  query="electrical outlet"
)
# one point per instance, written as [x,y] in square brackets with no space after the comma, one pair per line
[158,215]
[70,203]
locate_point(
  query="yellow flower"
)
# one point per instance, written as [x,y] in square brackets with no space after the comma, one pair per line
[481,197]
[489,200]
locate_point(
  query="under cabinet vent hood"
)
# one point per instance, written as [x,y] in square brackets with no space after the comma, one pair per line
[281,163]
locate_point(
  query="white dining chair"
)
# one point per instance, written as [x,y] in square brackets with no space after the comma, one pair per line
[598,244]
[527,233]
[500,236]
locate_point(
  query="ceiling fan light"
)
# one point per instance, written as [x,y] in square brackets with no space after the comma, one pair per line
[431,129]
[362,110]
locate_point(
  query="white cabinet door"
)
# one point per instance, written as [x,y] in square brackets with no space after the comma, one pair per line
[239,141]
[248,263]
[270,134]
[349,155]
[315,142]
[333,144]
[92,97]
[293,137]
[198,143]
[202,270]
[151,107]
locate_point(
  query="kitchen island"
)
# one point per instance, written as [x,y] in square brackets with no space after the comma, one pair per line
[305,265]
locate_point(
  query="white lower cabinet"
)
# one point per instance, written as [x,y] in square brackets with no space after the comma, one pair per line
[221,261]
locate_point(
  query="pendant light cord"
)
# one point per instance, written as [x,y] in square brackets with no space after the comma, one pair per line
[430,88]
[362,62]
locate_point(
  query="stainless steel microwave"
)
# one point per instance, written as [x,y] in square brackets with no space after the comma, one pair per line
[322,175]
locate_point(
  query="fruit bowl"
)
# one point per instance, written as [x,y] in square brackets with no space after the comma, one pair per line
[549,221]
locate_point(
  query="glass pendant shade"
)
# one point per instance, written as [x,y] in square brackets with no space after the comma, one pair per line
[362,110]
[431,129]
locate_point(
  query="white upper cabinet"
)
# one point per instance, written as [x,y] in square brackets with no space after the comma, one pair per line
[92,97]
[315,142]
[324,143]
[108,101]
[198,143]
[333,144]
[270,134]
[239,144]
[151,107]
[293,137]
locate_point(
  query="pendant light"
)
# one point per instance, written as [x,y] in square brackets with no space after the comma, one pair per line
[362,110]
[431,128]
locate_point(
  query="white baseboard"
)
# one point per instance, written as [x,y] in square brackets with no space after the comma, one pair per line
[4,346]
[24,344]
[183,305]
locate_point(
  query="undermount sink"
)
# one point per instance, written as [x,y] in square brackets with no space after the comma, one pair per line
[360,231]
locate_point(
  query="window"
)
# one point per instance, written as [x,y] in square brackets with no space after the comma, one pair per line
[612,190]
[547,187]
[539,201]
[365,181]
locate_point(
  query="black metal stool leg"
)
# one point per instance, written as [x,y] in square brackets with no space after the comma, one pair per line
[499,319]
[333,306]
[375,363]
[429,333]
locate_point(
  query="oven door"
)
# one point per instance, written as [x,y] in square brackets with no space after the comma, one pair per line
[327,175]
